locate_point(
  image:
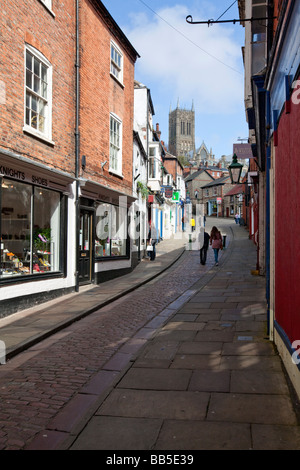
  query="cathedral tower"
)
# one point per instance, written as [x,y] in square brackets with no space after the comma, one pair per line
[181,131]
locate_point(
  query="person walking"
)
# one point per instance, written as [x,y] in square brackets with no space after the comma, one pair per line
[192,223]
[216,242]
[204,248]
[152,240]
[237,218]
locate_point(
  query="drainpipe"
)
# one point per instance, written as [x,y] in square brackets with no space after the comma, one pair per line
[147,170]
[77,147]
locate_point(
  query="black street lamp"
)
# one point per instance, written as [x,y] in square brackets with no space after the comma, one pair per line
[235,170]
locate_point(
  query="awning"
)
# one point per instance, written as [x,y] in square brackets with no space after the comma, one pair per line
[93,190]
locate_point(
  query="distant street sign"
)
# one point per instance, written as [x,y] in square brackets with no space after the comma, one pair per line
[242,151]
[176,196]
[168,192]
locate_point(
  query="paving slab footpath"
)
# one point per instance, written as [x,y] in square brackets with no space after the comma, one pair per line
[207,378]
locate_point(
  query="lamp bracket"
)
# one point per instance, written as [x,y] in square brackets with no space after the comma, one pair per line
[189,19]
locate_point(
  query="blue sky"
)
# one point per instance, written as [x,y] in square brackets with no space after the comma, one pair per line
[190,63]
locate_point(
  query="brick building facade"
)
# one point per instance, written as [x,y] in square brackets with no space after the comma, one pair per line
[37,148]
[53,145]
[66,121]
[106,114]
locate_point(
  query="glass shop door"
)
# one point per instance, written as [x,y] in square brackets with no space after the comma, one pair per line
[85,246]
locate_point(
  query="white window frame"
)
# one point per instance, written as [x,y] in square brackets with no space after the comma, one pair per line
[116,66]
[115,145]
[153,159]
[48,5]
[46,134]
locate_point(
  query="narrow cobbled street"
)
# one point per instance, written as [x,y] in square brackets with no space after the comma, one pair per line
[181,363]
[38,383]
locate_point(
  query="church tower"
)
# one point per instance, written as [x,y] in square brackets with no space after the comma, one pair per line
[182,131]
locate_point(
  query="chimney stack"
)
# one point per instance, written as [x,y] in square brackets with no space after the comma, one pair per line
[158,131]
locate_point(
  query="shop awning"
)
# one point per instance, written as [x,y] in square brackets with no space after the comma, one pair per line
[99,192]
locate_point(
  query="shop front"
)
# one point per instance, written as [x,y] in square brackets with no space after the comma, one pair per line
[86,245]
[30,230]
[105,244]
[212,207]
[33,226]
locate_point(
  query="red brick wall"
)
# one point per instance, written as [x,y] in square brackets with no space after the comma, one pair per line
[170,166]
[100,95]
[31,22]
[277,12]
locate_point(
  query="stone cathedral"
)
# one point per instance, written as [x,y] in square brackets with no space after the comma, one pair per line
[182,139]
[182,131]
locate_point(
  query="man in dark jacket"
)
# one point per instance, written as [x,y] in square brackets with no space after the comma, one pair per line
[203,250]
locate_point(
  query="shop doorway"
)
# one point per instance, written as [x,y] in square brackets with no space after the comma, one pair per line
[85,264]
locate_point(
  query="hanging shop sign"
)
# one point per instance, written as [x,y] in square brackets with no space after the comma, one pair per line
[176,196]
[243,151]
[168,192]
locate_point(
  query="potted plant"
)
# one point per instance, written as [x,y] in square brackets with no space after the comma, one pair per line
[142,188]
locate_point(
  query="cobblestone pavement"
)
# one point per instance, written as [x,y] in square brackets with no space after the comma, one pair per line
[38,383]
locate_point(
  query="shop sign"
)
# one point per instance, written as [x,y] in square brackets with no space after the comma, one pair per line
[22,176]
[219,200]
[176,195]
[168,192]
[243,151]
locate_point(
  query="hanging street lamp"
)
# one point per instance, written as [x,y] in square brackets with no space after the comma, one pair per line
[235,170]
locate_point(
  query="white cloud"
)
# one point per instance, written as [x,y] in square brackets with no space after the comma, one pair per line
[184,68]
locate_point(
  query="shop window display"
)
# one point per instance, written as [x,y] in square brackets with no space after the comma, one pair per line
[30,227]
[111,231]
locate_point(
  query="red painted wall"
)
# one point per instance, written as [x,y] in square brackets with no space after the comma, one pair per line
[287,224]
